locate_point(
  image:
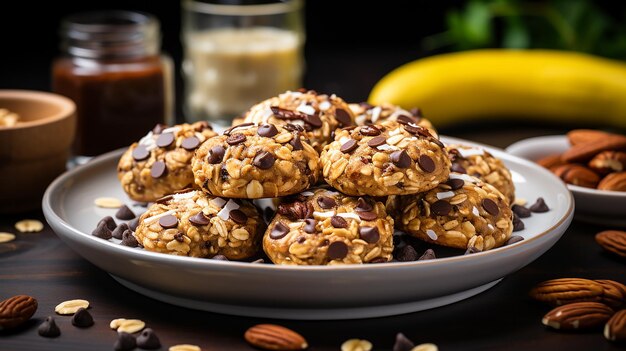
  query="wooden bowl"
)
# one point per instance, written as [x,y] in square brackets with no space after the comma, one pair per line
[35,151]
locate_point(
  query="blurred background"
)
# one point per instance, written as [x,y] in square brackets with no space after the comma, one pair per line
[348,48]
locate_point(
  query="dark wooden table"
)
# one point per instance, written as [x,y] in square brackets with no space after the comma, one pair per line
[503,317]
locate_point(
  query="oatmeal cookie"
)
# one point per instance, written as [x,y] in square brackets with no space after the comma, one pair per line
[384,159]
[479,163]
[250,161]
[325,227]
[318,114]
[464,212]
[191,223]
[366,114]
[160,163]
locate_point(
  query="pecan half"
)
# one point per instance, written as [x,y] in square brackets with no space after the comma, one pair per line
[578,316]
[613,182]
[615,328]
[577,175]
[613,241]
[608,161]
[274,337]
[557,292]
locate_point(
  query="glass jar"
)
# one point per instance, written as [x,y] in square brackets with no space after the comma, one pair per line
[238,55]
[113,70]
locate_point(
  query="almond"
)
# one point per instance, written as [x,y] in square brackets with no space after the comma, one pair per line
[577,316]
[613,182]
[613,241]
[585,151]
[275,337]
[615,328]
[608,162]
[550,161]
[557,292]
[16,310]
[614,294]
[577,175]
[581,136]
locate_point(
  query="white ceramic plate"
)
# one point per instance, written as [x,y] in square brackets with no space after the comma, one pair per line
[317,292]
[594,206]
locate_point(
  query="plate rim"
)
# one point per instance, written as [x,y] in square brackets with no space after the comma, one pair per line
[56,185]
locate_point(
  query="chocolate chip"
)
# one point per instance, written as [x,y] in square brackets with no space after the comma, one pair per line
[337,250]
[199,219]
[293,127]
[513,239]
[426,163]
[117,232]
[401,159]
[82,318]
[158,169]
[455,183]
[404,119]
[457,168]
[369,131]
[539,206]
[367,215]
[124,213]
[216,155]
[190,143]
[313,120]
[309,226]
[133,224]
[521,211]
[128,239]
[179,237]
[369,234]
[238,216]
[229,130]
[441,207]
[349,146]
[338,222]
[406,254]
[158,129]
[102,231]
[437,142]
[343,117]
[140,153]
[296,143]
[109,222]
[415,130]
[49,328]
[402,342]
[148,340]
[124,342]
[264,160]
[326,202]
[267,130]
[235,139]
[490,206]
[165,140]
[427,255]
[168,221]
[279,231]
[220,258]
[471,250]
[376,141]
[517,223]
[363,205]
[164,200]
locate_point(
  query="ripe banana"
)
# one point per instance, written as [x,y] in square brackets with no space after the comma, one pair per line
[561,86]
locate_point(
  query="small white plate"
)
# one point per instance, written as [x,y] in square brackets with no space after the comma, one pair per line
[594,206]
[293,292]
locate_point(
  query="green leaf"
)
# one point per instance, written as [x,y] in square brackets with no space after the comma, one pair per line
[477,22]
[515,35]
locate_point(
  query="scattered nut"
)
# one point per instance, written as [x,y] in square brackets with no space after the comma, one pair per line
[116,323]
[578,316]
[108,202]
[356,345]
[16,310]
[557,292]
[131,326]
[614,294]
[274,337]
[425,347]
[185,347]
[71,306]
[6,237]
[615,328]
[29,226]
[613,241]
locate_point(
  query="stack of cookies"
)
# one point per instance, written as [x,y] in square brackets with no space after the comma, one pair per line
[344,178]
